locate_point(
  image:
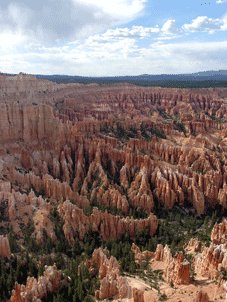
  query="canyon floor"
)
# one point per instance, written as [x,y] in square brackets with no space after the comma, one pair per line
[112,192]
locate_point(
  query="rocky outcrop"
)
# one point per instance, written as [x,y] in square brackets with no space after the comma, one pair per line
[159,253]
[193,246]
[28,122]
[148,144]
[120,149]
[177,269]
[219,233]
[140,257]
[201,297]
[211,261]
[112,284]
[5,251]
[24,208]
[36,289]
[138,295]
[77,224]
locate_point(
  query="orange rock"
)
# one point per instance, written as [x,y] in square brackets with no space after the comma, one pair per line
[201,297]
[219,233]
[138,295]
[76,223]
[177,269]
[212,261]
[141,256]
[112,284]
[36,289]
[4,247]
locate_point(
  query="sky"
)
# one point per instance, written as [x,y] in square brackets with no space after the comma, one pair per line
[112,37]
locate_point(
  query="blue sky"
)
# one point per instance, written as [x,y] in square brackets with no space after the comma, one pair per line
[119,37]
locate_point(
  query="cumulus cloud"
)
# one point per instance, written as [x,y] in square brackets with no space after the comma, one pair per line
[117,57]
[169,27]
[135,32]
[204,24]
[49,20]
[88,37]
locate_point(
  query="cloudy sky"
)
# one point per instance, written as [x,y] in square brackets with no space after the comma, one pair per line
[112,37]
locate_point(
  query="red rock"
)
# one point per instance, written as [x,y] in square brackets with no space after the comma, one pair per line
[76,223]
[141,256]
[219,233]
[201,297]
[177,269]
[4,247]
[36,289]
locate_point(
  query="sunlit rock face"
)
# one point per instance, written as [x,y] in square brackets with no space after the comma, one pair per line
[97,143]
[4,247]
[212,261]
[112,284]
[106,159]
[36,289]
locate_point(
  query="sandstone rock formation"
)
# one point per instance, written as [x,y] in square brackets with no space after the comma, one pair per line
[106,158]
[4,247]
[212,261]
[112,284]
[127,164]
[177,270]
[141,256]
[193,246]
[201,297]
[76,223]
[36,289]
[219,233]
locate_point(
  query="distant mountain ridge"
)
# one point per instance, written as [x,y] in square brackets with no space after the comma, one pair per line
[194,80]
[210,78]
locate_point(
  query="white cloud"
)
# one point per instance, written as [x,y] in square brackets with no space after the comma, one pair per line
[88,38]
[221,1]
[169,27]
[49,20]
[119,56]
[11,41]
[204,24]
[224,23]
[118,9]
[135,32]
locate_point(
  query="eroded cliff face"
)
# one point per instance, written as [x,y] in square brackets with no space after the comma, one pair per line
[212,261]
[195,277]
[110,227]
[112,284]
[107,159]
[219,233]
[119,147]
[4,247]
[36,289]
